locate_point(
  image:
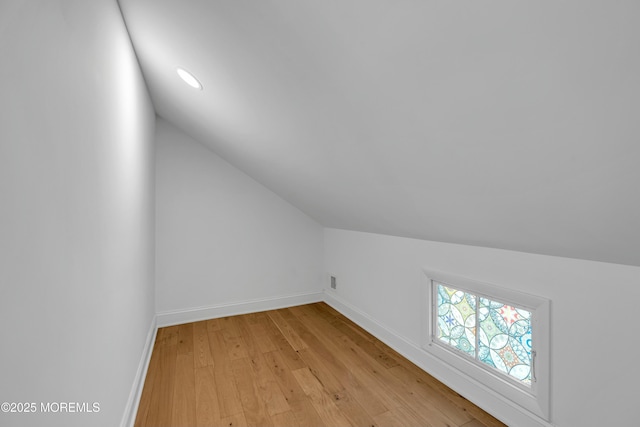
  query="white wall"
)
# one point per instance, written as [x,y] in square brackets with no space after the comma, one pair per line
[76,210]
[221,237]
[593,312]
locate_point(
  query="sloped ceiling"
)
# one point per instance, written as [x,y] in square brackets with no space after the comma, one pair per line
[503,124]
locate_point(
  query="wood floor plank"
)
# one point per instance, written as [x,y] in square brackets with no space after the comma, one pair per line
[214,325]
[367,368]
[306,414]
[299,366]
[264,378]
[282,345]
[424,409]
[282,373]
[389,419]
[234,341]
[382,352]
[337,381]
[474,423]
[228,400]
[237,420]
[319,370]
[259,334]
[300,406]
[184,391]
[255,318]
[353,410]
[201,349]
[363,341]
[294,340]
[145,399]
[285,419]
[169,335]
[402,417]
[420,387]
[461,402]
[320,399]
[207,406]
[161,404]
[254,408]
[335,363]
[441,396]
[185,339]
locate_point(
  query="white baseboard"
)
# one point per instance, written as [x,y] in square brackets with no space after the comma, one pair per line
[131,409]
[472,390]
[176,317]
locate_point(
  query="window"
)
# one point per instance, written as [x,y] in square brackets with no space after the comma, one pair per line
[494,334]
[491,332]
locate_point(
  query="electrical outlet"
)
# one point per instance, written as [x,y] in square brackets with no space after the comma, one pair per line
[334,282]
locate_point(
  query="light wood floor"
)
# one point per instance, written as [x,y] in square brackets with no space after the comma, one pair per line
[301,366]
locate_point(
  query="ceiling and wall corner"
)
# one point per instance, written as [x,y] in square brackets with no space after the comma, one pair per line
[497,124]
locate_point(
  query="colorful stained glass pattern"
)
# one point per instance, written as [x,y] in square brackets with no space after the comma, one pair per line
[457,319]
[505,339]
[504,331]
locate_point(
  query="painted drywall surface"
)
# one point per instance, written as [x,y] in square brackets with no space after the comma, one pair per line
[76,211]
[221,237]
[593,308]
[499,124]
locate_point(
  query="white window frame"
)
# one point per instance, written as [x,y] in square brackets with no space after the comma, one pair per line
[534,398]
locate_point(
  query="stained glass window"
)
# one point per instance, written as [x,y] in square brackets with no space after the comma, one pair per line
[503,339]
[457,319]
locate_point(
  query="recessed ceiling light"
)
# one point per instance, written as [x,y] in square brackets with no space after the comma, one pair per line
[189,78]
